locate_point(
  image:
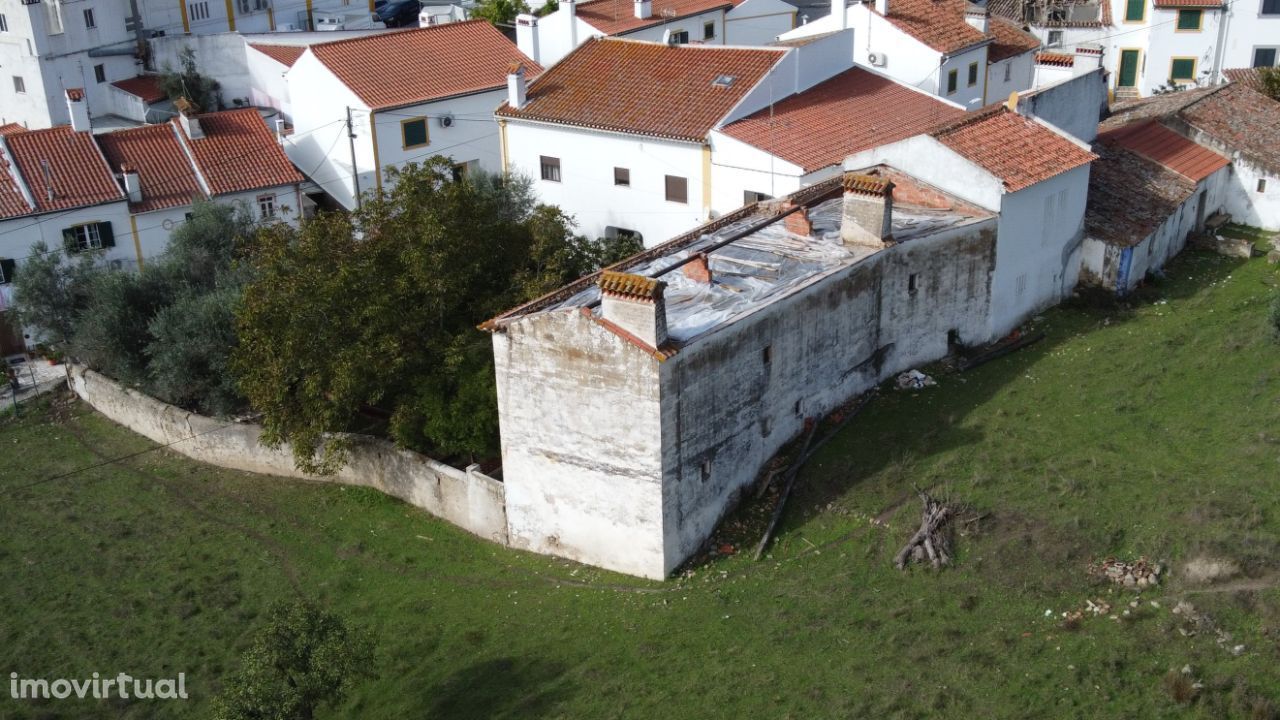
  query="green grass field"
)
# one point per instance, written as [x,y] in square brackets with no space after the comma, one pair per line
[1147,429]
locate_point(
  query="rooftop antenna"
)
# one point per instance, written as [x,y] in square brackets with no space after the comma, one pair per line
[48,179]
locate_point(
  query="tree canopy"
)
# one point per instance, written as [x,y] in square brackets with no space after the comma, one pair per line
[187,82]
[499,12]
[374,314]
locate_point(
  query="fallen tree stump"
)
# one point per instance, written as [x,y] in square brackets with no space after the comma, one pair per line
[932,542]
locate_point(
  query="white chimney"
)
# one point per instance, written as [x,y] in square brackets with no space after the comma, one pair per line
[977,19]
[527,36]
[644,9]
[517,86]
[882,7]
[187,116]
[78,109]
[570,10]
[132,183]
[839,13]
[636,305]
[867,215]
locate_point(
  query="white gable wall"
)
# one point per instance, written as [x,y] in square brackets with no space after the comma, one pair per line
[758,22]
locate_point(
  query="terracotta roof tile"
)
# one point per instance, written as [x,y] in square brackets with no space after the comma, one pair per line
[12,203]
[940,24]
[848,113]
[238,153]
[1159,144]
[628,285]
[1155,106]
[391,70]
[645,88]
[1242,120]
[156,154]
[146,87]
[614,17]
[1055,59]
[1129,197]
[77,175]
[1019,151]
[1249,77]
[286,55]
[1010,40]
[1188,3]
[9,128]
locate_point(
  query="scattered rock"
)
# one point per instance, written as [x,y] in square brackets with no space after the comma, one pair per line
[1137,575]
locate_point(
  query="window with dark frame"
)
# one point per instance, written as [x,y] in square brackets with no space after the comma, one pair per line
[6,270]
[266,207]
[89,236]
[706,470]
[89,21]
[677,189]
[19,85]
[953,80]
[766,355]
[1271,7]
[913,282]
[100,73]
[709,30]
[413,133]
[680,37]
[622,177]
[4,23]
[1262,184]
[1135,10]
[1055,38]
[1264,57]
[1189,19]
[973,74]
[550,168]
[751,196]
[1182,69]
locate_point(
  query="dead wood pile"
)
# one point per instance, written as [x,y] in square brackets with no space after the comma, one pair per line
[932,542]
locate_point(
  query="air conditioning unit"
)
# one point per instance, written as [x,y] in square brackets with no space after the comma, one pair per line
[877,59]
[446,120]
[330,23]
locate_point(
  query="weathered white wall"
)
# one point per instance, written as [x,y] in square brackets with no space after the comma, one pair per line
[737,167]
[1074,106]
[1245,203]
[580,417]
[468,499]
[833,339]
[926,159]
[973,96]
[221,55]
[1020,70]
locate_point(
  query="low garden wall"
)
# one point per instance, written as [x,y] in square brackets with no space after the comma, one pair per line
[467,498]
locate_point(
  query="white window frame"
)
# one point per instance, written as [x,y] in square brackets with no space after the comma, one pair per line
[1275,57]
[88,237]
[550,172]
[266,206]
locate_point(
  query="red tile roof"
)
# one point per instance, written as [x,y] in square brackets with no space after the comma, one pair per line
[77,176]
[848,113]
[1159,144]
[11,128]
[1130,197]
[156,154]
[940,24]
[1019,151]
[239,153]
[1187,3]
[391,70]
[1241,119]
[613,17]
[1249,77]
[12,203]
[1010,40]
[1055,59]
[286,55]
[645,88]
[146,87]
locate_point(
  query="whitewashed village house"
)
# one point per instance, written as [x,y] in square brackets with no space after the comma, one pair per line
[712,22]
[720,342]
[950,48]
[408,95]
[122,193]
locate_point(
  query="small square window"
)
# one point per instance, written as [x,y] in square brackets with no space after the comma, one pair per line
[953,80]
[89,21]
[1262,185]
[1182,70]
[19,85]
[1055,38]
[622,177]
[677,189]
[680,37]
[1264,57]
[100,73]
[973,74]
[413,133]
[266,207]
[709,31]
[1190,19]
[1135,10]
[550,168]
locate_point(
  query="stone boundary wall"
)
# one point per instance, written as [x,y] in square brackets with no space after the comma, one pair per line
[467,498]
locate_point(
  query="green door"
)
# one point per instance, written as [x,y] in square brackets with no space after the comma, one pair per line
[1128,68]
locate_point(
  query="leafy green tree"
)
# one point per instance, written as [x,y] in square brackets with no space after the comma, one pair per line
[499,12]
[112,334]
[187,82]
[304,658]
[377,312]
[187,356]
[1270,78]
[49,294]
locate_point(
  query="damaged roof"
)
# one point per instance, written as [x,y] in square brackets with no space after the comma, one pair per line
[1130,196]
[1159,144]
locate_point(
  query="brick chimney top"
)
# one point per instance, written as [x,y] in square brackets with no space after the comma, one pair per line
[636,305]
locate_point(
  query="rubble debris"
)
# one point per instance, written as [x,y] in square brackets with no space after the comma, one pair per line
[1138,575]
[932,542]
[914,380]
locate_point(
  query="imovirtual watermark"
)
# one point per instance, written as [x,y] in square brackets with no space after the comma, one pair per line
[122,685]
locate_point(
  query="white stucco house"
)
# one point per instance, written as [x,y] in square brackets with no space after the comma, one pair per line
[407,96]
[950,48]
[713,22]
[1033,176]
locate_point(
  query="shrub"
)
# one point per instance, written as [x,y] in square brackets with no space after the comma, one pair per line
[1275,317]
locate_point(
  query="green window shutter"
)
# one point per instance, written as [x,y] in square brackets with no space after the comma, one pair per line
[1135,10]
[6,270]
[415,133]
[104,233]
[69,242]
[1183,69]
[1189,19]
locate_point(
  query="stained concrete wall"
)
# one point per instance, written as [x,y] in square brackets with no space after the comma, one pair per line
[1074,106]
[469,499]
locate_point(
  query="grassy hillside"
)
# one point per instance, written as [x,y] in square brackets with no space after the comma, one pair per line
[1149,429]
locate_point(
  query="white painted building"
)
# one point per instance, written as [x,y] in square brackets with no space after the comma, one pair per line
[440,102]
[713,22]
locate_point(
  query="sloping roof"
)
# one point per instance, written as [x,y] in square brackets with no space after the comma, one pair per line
[1155,106]
[156,154]
[77,175]
[8,128]
[940,24]
[645,88]
[286,55]
[614,17]
[1019,151]
[1241,119]
[12,203]
[1159,144]
[1129,197]
[1249,77]
[845,114]
[1055,59]
[1010,40]
[1187,3]
[391,70]
[1015,10]
[146,87]
[239,153]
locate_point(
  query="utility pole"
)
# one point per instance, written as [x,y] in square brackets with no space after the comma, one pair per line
[355,171]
